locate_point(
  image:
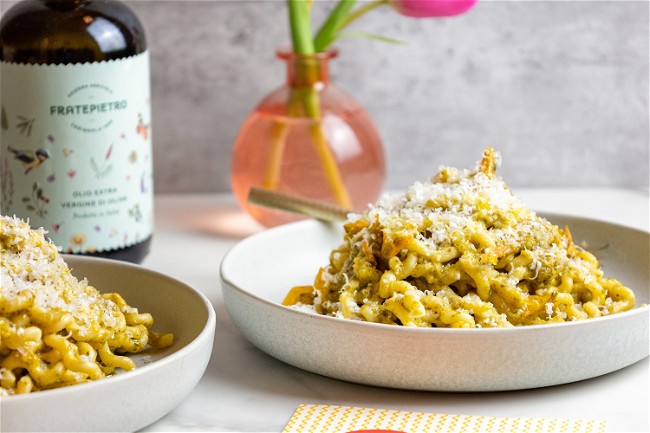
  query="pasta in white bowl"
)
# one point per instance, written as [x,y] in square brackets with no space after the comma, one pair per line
[399,301]
[162,379]
[460,251]
[57,330]
[433,359]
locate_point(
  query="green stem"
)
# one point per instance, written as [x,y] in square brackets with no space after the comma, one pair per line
[279,135]
[361,11]
[300,27]
[330,28]
[303,45]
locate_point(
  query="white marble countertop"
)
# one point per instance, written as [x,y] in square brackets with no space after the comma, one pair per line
[245,390]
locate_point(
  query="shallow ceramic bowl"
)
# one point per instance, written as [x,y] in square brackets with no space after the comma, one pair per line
[258,272]
[131,400]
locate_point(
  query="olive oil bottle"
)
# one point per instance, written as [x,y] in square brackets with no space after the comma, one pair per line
[75,136]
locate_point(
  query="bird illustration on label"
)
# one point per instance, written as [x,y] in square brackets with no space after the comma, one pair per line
[29,158]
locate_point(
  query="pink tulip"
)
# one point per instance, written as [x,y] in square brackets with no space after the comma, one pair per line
[431,8]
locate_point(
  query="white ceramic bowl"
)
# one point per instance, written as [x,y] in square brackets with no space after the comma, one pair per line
[131,400]
[258,272]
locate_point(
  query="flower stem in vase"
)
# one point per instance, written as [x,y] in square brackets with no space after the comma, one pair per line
[278,143]
[309,76]
[278,140]
[304,100]
[324,151]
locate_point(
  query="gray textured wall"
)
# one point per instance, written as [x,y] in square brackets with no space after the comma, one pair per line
[560,88]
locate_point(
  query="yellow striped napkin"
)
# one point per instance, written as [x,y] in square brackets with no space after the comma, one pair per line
[313,418]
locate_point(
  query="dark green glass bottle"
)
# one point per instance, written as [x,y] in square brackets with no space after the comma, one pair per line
[75,147]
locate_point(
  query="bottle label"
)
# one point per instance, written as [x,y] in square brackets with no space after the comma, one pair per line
[75,151]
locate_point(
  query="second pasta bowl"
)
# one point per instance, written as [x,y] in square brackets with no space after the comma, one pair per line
[127,401]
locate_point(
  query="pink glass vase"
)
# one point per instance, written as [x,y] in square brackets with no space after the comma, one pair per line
[308,138]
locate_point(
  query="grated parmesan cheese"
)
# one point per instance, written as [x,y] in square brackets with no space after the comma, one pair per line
[31,267]
[462,233]
[57,330]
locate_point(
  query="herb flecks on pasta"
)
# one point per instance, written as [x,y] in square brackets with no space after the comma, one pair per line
[460,251]
[54,329]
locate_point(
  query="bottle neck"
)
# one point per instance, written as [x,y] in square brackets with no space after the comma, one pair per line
[69,32]
[75,2]
[65,5]
[307,71]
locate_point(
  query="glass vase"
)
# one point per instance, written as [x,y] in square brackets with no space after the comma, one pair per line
[308,138]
